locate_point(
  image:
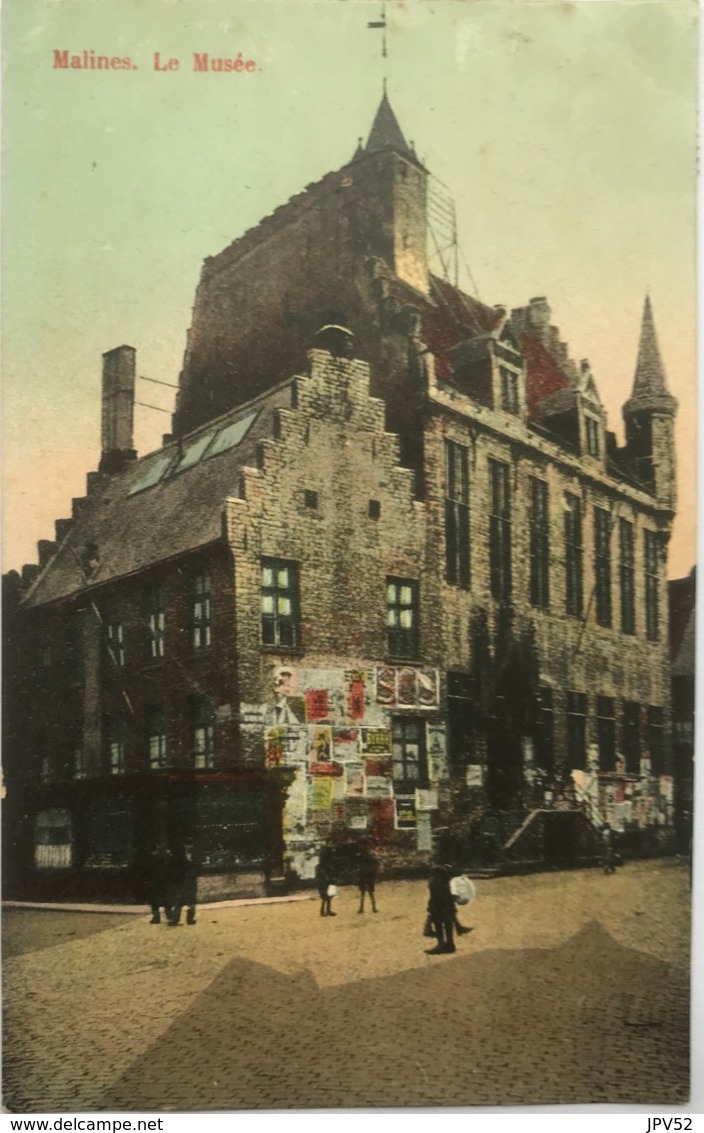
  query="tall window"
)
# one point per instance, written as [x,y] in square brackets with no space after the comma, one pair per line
[652,586]
[456,513]
[200,612]
[279,602]
[76,752]
[74,649]
[606,733]
[402,617]
[202,732]
[156,736]
[545,745]
[655,740]
[631,736]
[115,641]
[114,739]
[155,616]
[409,755]
[460,712]
[602,565]
[509,390]
[539,543]
[574,585]
[628,592]
[593,435]
[576,729]
[500,530]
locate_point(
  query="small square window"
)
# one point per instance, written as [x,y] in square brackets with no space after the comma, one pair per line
[310,498]
[374,509]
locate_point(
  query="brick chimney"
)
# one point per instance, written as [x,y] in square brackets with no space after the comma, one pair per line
[119,371]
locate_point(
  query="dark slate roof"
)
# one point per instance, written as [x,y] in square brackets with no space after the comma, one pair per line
[386,132]
[650,372]
[178,514]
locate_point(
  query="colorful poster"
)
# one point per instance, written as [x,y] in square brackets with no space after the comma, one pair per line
[320,745]
[406,688]
[333,770]
[273,747]
[386,686]
[355,780]
[376,741]
[322,793]
[356,682]
[317,704]
[346,742]
[405,813]
[379,767]
[428,688]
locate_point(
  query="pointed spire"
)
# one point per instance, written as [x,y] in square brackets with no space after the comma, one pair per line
[650,373]
[649,384]
[386,132]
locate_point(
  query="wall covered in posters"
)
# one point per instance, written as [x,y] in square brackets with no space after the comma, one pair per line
[334,729]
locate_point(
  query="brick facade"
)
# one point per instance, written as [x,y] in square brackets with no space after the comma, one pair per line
[405,585]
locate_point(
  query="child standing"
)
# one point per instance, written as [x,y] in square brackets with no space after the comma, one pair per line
[368,872]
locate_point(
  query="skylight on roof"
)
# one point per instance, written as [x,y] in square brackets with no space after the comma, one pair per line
[231,435]
[193,451]
[214,441]
[152,471]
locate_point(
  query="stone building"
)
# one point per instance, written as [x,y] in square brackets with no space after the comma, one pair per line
[390,577]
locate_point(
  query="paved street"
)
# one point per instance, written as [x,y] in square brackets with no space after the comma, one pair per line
[572,988]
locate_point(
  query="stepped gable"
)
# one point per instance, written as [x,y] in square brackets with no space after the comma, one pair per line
[178,514]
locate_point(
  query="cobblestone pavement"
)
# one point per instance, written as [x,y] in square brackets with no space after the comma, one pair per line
[572,988]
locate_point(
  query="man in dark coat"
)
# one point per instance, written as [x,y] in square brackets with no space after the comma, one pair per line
[183,887]
[441,907]
[157,882]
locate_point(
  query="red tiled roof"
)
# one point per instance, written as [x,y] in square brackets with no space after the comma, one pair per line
[449,316]
[544,376]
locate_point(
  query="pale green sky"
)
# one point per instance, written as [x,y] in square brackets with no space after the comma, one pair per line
[566,132]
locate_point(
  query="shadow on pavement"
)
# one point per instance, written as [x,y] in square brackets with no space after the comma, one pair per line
[20,928]
[588,1022]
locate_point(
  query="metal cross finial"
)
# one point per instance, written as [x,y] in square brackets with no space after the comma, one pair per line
[381,24]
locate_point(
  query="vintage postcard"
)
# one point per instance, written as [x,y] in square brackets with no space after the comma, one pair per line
[349,430]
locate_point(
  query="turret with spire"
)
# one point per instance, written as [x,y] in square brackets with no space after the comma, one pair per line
[649,416]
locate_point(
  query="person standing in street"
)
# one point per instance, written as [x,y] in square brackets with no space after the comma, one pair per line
[368,873]
[184,887]
[157,882]
[325,876]
[441,908]
[607,849]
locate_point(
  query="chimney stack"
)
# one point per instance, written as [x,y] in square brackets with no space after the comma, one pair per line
[119,372]
[539,315]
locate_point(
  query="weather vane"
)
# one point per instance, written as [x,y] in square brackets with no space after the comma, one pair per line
[381,24]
